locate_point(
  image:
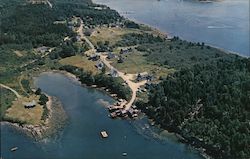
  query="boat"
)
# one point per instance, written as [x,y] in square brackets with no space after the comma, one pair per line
[124,154]
[14,149]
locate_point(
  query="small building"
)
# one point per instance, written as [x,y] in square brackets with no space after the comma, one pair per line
[120,59]
[43,49]
[125,51]
[148,85]
[113,73]
[31,104]
[94,57]
[144,76]
[111,55]
[99,65]
[78,38]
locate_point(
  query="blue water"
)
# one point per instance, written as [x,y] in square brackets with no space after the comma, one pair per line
[224,24]
[80,139]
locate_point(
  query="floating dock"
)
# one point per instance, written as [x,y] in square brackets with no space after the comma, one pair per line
[104,134]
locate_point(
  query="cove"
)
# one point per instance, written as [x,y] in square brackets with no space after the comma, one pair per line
[223,24]
[80,138]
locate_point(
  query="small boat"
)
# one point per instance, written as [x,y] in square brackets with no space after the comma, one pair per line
[124,154]
[13,149]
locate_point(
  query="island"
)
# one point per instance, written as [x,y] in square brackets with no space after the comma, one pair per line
[199,92]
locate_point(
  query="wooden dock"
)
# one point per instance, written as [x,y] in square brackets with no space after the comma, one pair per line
[104,134]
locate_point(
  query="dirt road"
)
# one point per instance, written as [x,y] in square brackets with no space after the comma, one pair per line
[12,90]
[128,78]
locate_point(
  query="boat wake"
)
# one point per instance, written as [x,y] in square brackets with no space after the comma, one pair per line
[219,27]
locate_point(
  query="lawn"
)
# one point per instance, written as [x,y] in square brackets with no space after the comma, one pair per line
[17,112]
[135,62]
[113,35]
[81,62]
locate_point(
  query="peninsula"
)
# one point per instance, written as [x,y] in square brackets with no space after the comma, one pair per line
[197,91]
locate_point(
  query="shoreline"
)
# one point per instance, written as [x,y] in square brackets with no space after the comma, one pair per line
[46,129]
[76,80]
[169,35]
[181,138]
[38,133]
[174,135]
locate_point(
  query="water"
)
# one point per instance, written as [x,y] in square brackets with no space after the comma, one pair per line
[80,139]
[223,24]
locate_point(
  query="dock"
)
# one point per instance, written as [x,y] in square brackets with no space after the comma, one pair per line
[104,134]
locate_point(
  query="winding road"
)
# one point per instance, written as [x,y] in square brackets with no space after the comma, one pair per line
[126,77]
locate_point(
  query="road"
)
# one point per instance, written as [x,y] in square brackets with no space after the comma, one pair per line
[81,34]
[128,78]
[12,90]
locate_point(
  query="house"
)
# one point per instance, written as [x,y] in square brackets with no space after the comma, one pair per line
[144,76]
[148,85]
[111,55]
[99,65]
[125,51]
[120,59]
[113,73]
[78,38]
[43,49]
[29,104]
[94,57]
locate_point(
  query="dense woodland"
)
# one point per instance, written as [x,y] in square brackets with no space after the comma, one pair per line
[208,104]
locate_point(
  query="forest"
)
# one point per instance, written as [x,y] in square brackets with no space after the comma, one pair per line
[208,104]
[22,31]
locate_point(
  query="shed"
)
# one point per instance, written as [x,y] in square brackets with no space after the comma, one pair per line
[114,73]
[31,104]
[99,65]
[111,55]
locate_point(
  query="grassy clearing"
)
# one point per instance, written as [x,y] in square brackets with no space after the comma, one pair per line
[81,62]
[135,62]
[113,35]
[17,112]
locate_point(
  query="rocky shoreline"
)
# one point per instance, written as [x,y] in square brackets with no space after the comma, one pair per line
[56,120]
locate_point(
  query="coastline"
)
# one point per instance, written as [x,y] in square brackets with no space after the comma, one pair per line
[200,148]
[76,80]
[169,35]
[54,122]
